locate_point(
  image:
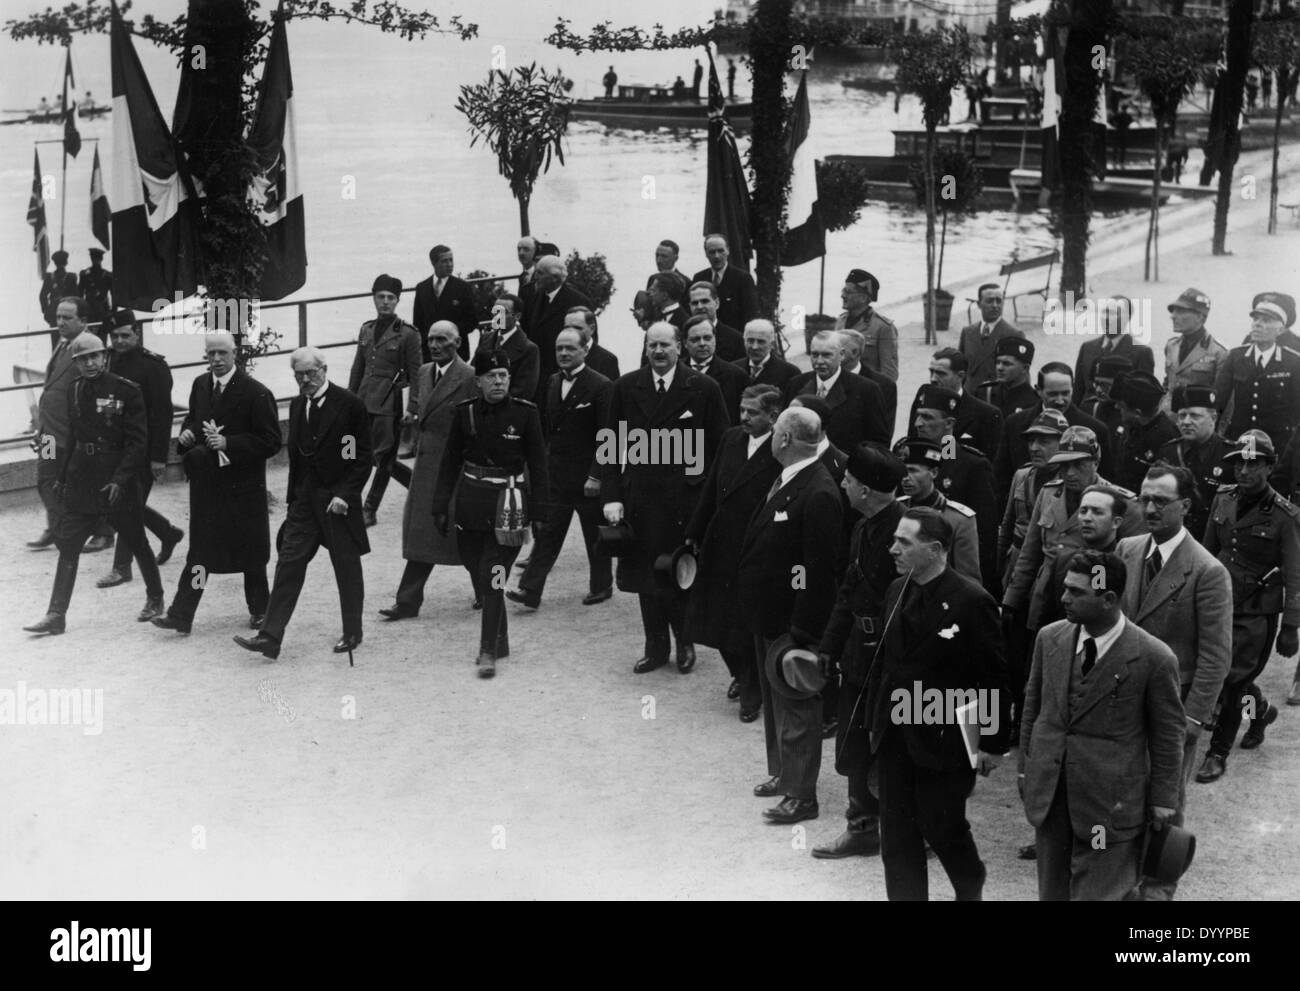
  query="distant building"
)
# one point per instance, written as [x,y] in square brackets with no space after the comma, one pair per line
[902,15]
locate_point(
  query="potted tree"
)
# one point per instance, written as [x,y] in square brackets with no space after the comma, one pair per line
[957,184]
[841,194]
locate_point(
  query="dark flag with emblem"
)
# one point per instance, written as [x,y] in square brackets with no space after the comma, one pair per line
[155,226]
[275,189]
[71,139]
[36,217]
[805,239]
[100,213]
[726,200]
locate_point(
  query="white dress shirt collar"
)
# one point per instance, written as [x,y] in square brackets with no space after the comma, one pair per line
[667,379]
[1105,641]
[1169,546]
[795,468]
[224,380]
[755,443]
[829,383]
[1263,356]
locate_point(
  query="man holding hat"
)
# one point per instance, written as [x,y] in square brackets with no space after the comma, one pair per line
[130,359]
[1256,534]
[853,632]
[1144,430]
[95,286]
[387,360]
[879,335]
[56,285]
[1010,390]
[1200,449]
[99,475]
[979,340]
[922,460]
[494,439]
[1192,355]
[795,532]
[1261,380]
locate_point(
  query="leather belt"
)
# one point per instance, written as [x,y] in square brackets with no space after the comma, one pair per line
[90,449]
[492,476]
[867,624]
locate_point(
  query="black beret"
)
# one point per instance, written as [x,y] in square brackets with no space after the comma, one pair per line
[387,283]
[1015,347]
[119,318]
[490,361]
[1193,395]
[938,398]
[875,469]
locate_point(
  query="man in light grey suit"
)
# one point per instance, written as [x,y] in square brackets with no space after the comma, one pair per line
[1179,593]
[1101,739]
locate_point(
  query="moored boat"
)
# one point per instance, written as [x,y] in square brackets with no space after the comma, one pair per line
[657,106]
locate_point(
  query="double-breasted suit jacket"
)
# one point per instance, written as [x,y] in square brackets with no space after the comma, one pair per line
[732,381]
[1120,746]
[857,409]
[434,407]
[333,463]
[775,372]
[736,486]
[543,319]
[737,295]
[658,499]
[571,425]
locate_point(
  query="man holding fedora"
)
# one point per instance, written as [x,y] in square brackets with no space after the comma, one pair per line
[1260,380]
[1192,355]
[786,579]
[853,633]
[940,634]
[1101,742]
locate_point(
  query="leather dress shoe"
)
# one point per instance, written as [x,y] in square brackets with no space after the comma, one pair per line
[255,620]
[171,623]
[749,715]
[53,623]
[114,578]
[46,539]
[349,641]
[267,646]
[398,611]
[523,598]
[685,657]
[368,516]
[596,598]
[733,690]
[1254,736]
[791,810]
[1294,697]
[95,544]
[487,664]
[153,607]
[770,787]
[1028,852]
[829,728]
[648,663]
[169,544]
[1212,768]
[850,843]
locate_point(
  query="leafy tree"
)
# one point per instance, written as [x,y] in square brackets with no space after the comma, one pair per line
[1277,49]
[956,185]
[522,117]
[591,277]
[842,192]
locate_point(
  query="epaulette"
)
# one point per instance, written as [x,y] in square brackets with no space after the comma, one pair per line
[963,509]
[124,380]
[971,448]
[1056,482]
[1229,489]
[1241,348]
[154,355]
[1287,506]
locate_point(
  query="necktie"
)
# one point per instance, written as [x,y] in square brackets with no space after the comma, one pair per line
[662,388]
[701,368]
[754,371]
[985,330]
[216,389]
[437,289]
[776,487]
[717,278]
[1259,360]
[821,390]
[1089,656]
[1154,563]
[313,415]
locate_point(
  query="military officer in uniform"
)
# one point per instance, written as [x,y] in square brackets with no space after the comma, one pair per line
[1192,356]
[57,285]
[1256,534]
[922,460]
[95,286]
[100,475]
[1010,390]
[964,474]
[131,360]
[387,360]
[493,440]
[1100,402]
[1261,380]
[853,632]
[1144,430]
[1287,338]
[1200,449]
[879,335]
[1043,438]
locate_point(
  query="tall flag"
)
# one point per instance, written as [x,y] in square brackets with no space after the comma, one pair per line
[1053,86]
[726,200]
[154,213]
[275,190]
[36,217]
[805,237]
[100,214]
[71,139]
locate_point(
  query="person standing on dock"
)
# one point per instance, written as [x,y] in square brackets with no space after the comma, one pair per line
[696,78]
[95,286]
[57,285]
[610,80]
[731,79]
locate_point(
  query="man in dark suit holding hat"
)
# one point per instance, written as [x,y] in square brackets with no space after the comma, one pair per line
[329,462]
[444,296]
[1260,381]
[1145,428]
[786,579]
[387,360]
[853,632]
[941,635]
[1097,764]
[879,335]
[657,498]
[1200,449]
[857,404]
[979,340]
[55,286]
[95,286]
[1009,390]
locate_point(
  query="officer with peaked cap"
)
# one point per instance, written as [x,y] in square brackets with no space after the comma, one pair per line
[100,475]
[56,285]
[1144,429]
[1200,449]
[1011,391]
[1260,381]
[95,286]
[1256,534]
[1285,303]
[1192,355]
[923,460]
[880,336]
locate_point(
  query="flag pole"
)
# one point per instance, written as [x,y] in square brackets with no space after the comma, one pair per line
[63,189]
[821,287]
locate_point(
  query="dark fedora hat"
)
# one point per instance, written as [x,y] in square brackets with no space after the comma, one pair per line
[678,569]
[1169,853]
[613,539]
[794,672]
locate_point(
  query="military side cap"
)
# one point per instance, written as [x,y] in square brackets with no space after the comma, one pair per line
[875,469]
[1277,304]
[938,398]
[918,451]
[1251,445]
[1015,347]
[1138,389]
[1191,299]
[1193,395]
[819,406]
[59,258]
[387,283]
[119,318]
[1077,443]
[1112,366]
[1048,423]
[490,361]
